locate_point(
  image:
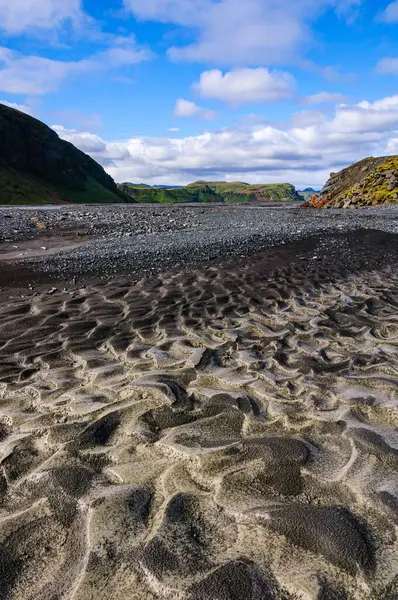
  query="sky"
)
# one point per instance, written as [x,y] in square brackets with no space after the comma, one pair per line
[172,91]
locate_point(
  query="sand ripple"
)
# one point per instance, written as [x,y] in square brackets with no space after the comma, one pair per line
[215,434]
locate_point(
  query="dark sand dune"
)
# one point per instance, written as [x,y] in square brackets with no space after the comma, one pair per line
[211,434]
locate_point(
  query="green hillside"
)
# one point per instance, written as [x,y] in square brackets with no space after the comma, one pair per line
[153,195]
[37,167]
[214,191]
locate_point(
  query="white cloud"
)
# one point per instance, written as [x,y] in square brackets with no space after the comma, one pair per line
[106,153]
[302,153]
[324,98]
[35,75]
[237,32]
[32,75]
[245,85]
[123,51]
[186,108]
[20,16]
[390,14]
[392,146]
[21,107]
[388,66]
[88,142]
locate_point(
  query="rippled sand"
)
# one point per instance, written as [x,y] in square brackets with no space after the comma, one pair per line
[219,434]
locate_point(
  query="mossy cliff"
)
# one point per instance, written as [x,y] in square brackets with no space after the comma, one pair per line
[156,195]
[215,191]
[370,182]
[37,167]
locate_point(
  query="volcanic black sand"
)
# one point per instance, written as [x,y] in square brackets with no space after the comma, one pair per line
[222,430]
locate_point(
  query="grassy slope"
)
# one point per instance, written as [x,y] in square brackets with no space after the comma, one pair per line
[238,191]
[37,167]
[214,191]
[18,188]
[170,195]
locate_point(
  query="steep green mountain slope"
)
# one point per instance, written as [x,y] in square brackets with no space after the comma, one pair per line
[214,191]
[37,167]
[370,182]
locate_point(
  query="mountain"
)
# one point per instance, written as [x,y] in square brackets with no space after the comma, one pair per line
[370,182]
[155,195]
[214,191]
[37,167]
[238,191]
[167,187]
[160,186]
[307,193]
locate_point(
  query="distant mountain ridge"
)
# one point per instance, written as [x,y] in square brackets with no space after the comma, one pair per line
[213,192]
[37,167]
[158,186]
[308,193]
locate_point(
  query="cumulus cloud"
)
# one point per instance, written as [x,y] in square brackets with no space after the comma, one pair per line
[324,98]
[392,146]
[245,85]
[35,75]
[390,13]
[32,75]
[302,152]
[239,32]
[87,142]
[388,66]
[22,107]
[20,16]
[107,153]
[186,108]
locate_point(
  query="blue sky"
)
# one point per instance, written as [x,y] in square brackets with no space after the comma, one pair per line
[176,90]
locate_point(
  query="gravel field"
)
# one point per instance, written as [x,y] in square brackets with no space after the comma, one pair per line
[135,240]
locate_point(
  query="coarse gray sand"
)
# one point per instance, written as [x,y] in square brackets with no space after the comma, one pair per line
[134,240]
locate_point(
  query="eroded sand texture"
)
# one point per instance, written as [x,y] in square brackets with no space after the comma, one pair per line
[206,435]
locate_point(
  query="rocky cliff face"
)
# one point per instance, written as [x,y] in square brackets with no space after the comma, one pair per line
[35,162]
[370,182]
